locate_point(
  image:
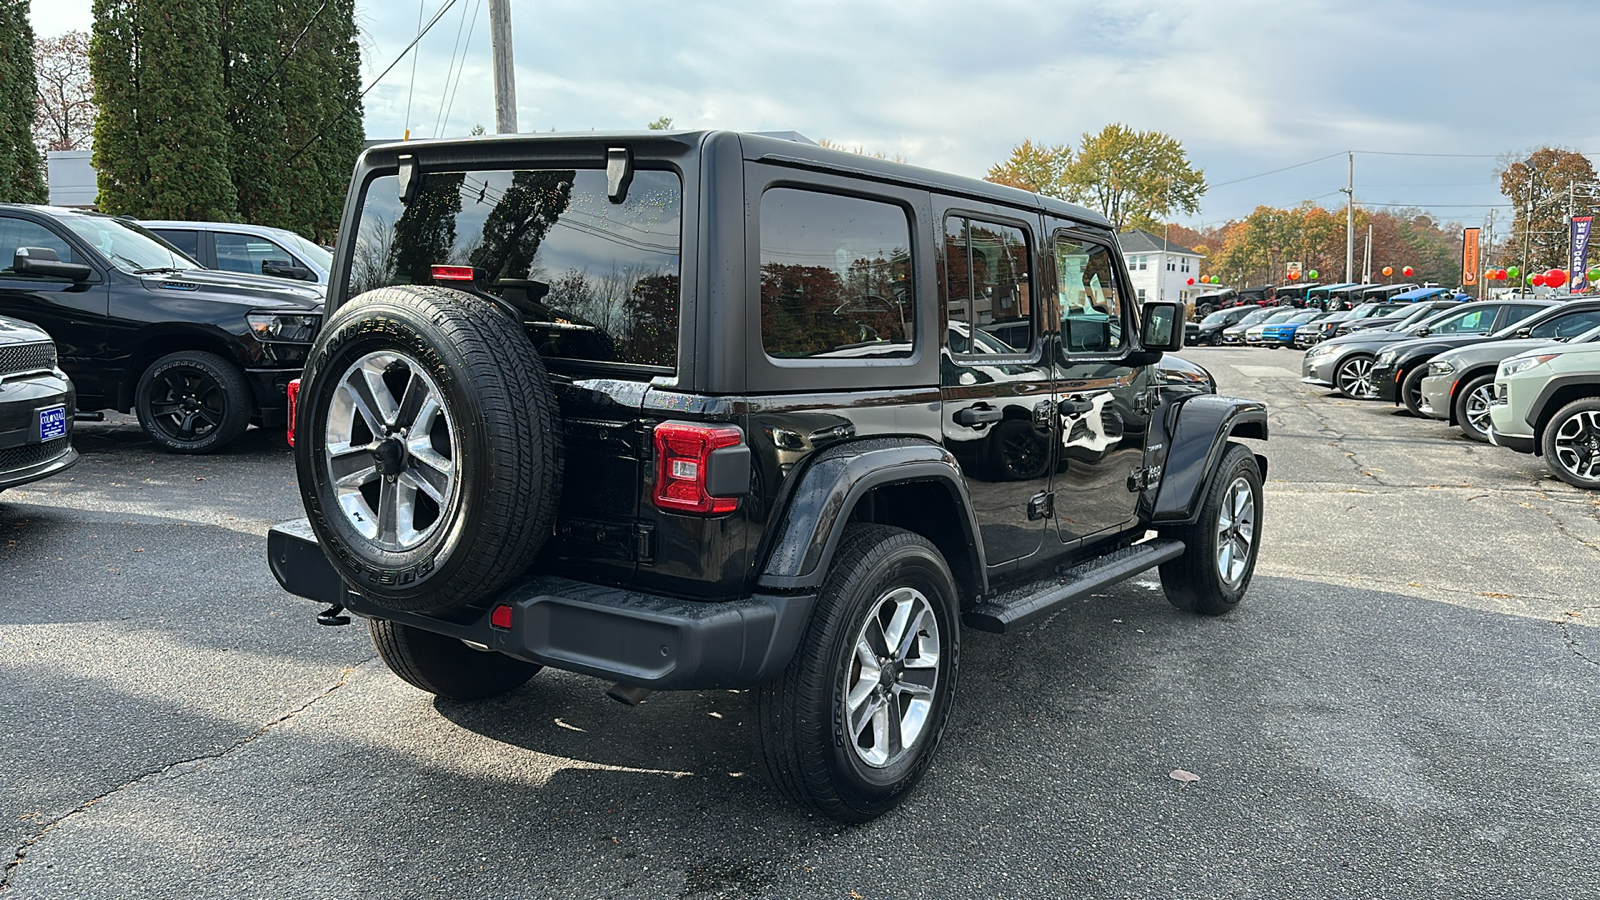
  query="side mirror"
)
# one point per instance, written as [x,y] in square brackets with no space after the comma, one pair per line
[1163,326]
[44,261]
[1524,332]
[285,268]
[1423,331]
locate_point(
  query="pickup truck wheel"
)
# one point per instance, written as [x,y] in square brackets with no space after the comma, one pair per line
[193,402]
[428,447]
[1411,390]
[1220,548]
[1472,407]
[1572,443]
[851,725]
[444,666]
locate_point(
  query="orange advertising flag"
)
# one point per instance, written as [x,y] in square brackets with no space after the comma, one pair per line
[1469,257]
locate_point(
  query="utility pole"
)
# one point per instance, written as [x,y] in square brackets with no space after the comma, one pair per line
[1350,221]
[1527,226]
[505,70]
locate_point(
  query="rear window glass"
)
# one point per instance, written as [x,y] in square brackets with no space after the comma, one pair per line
[835,277]
[594,280]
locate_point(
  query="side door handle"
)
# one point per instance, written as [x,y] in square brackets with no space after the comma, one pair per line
[981,414]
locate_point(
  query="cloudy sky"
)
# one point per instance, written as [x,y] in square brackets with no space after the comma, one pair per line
[1429,93]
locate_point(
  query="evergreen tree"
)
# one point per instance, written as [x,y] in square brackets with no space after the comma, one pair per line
[20,177]
[321,97]
[252,36]
[161,140]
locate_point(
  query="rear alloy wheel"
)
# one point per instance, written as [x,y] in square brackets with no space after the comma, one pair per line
[1572,443]
[853,722]
[1472,407]
[1411,390]
[1353,378]
[192,402]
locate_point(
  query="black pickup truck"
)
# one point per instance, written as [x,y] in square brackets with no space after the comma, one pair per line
[198,355]
[712,410]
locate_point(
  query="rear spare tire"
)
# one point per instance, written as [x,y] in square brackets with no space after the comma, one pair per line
[428,447]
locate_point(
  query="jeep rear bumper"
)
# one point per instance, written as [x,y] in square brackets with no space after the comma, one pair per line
[661,643]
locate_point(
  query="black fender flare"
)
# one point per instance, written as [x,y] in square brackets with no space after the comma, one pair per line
[1199,431]
[1544,405]
[831,484]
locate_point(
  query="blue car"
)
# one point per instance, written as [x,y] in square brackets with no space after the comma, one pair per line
[1281,334]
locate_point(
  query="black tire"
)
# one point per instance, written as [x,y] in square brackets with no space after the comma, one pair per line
[193,402]
[444,666]
[1466,408]
[1194,581]
[806,744]
[501,432]
[1015,451]
[1347,372]
[1411,390]
[1571,443]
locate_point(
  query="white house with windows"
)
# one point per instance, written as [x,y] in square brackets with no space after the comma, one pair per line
[1158,268]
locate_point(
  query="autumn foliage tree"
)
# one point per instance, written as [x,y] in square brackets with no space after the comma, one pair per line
[1540,187]
[1135,178]
[1254,250]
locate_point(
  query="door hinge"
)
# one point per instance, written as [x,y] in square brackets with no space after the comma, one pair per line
[1145,401]
[1041,506]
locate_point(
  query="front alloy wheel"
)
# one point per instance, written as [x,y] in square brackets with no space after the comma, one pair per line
[1354,378]
[1572,444]
[1472,407]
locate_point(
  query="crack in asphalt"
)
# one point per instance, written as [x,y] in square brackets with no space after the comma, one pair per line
[21,853]
[1337,439]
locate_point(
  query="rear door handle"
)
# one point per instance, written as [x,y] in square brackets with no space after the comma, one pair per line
[982,414]
[1073,406]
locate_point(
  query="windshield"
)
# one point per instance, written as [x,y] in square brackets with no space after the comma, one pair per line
[1417,315]
[1254,317]
[1588,337]
[129,247]
[1220,315]
[316,254]
[594,280]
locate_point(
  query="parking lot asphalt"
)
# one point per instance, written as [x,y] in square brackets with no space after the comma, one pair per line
[1405,705]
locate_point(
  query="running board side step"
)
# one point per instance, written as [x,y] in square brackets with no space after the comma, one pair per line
[1010,611]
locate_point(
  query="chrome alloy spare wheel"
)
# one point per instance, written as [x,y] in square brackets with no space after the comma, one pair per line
[1236,531]
[891,677]
[391,450]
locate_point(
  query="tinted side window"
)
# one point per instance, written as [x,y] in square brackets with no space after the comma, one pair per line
[187,241]
[16,233]
[1091,303]
[1469,321]
[1569,325]
[245,252]
[987,296]
[835,277]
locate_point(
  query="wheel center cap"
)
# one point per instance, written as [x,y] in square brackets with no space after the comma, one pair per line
[390,456]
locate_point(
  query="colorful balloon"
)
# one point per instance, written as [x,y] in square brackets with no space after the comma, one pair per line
[1408,271]
[1293,275]
[1536,280]
[1555,277]
[1314,274]
[1513,272]
[1191,281]
[1387,271]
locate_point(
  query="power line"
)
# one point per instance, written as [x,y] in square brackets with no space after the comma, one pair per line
[350,107]
[1276,171]
[438,117]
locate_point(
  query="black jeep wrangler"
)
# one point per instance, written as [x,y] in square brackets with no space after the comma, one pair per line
[714,410]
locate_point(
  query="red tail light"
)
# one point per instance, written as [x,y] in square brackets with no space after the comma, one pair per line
[294,405]
[453,273]
[683,455]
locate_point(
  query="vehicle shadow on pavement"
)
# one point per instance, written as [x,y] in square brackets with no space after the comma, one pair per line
[1348,742]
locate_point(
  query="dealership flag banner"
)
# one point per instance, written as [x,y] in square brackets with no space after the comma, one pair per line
[1469,257]
[1580,245]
